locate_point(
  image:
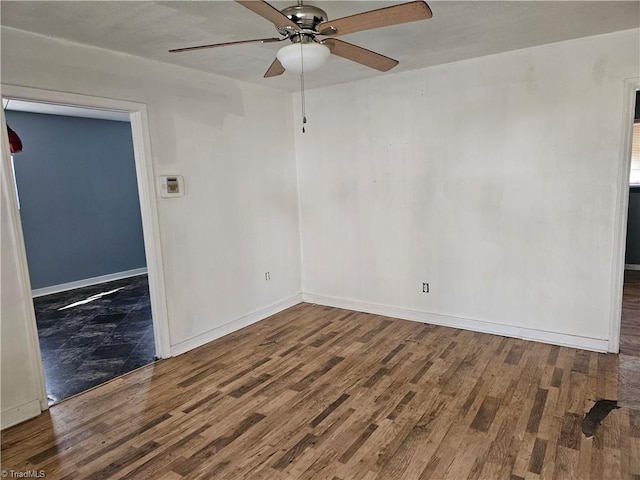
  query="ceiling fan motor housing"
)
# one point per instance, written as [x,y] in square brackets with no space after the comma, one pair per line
[307,17]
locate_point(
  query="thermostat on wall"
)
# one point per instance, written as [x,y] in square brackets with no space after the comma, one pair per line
[171,186]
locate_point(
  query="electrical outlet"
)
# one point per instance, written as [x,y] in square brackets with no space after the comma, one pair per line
[267,276]
[425,287]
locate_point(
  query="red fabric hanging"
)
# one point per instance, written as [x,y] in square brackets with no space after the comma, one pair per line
[14,141]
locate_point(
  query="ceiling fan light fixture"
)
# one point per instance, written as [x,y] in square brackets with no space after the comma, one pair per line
[311,55]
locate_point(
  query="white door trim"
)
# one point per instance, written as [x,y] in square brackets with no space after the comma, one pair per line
[622,205]
[22,412]
[146,191]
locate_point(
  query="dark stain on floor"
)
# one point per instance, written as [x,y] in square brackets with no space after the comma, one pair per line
[596,415]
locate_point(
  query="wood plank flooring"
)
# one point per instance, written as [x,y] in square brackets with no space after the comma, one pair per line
[324,393]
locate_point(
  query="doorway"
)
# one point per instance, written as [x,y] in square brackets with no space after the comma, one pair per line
[155,298]
[630,322]
[80,214]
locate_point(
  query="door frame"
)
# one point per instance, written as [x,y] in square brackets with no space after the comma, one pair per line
[631,85]
[148,207]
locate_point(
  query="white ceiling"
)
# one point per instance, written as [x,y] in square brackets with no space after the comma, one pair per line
[457,31]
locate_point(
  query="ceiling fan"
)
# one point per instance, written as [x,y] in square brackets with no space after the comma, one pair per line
[303,24]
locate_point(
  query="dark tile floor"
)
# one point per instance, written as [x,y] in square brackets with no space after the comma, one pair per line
[630,324]
[94,341]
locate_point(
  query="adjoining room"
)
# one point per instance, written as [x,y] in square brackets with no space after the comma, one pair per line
[630,327]
[75,182]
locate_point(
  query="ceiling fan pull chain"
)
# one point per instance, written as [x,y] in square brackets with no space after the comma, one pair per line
[304,114]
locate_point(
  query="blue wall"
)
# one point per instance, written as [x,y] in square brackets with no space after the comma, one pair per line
[632,256]
[78,197]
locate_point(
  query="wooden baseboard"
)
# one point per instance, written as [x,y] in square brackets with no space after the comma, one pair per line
[21,413]
[554,338]
[87,282]
[232,326]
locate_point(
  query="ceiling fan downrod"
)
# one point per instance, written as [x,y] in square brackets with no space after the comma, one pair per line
[306,17]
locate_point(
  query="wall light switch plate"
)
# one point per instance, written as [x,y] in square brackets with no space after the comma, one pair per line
[171,186]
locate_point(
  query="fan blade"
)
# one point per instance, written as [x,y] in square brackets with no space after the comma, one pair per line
[214,45]
[360,55]
[270,13]
[382,17]
[275,69]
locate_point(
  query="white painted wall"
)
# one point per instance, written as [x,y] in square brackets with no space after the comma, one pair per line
[493,179]
[232,142]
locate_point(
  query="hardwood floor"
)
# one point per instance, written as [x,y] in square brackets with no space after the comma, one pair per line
[630,325]
[323,393]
